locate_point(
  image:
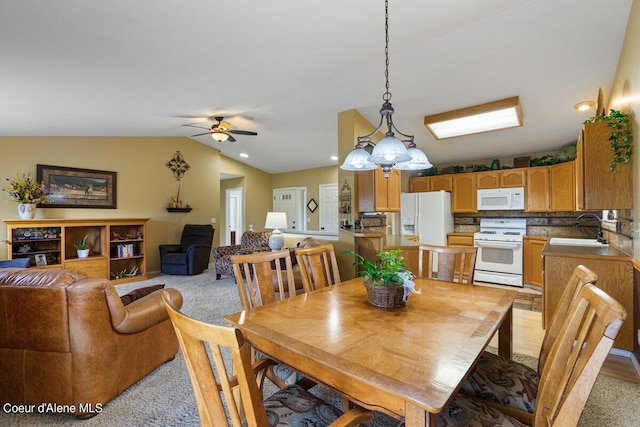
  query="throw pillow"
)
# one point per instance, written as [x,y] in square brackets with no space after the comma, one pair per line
[139,293]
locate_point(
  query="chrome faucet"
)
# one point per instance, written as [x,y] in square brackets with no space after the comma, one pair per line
[597,218]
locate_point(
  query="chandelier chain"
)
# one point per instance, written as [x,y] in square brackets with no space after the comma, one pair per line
[387,95]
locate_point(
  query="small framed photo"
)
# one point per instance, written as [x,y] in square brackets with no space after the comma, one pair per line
[41,259]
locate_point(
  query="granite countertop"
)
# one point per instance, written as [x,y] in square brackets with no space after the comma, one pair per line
[609,252]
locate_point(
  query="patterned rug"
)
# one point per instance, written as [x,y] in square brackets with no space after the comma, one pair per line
[528,301]
[165,397]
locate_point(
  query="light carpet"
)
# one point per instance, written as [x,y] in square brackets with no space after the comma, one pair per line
[165,397]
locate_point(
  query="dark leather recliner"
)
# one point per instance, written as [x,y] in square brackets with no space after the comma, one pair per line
[192,255]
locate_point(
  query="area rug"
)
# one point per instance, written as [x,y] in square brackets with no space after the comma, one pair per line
[165,397]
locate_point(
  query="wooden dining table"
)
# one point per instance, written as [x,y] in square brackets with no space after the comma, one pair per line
[407,362]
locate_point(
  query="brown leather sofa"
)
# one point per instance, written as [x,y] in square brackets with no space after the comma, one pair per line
[67,339]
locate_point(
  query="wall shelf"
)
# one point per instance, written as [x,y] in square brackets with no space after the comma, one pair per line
[179,209]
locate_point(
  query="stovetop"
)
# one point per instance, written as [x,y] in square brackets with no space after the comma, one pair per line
[508,229]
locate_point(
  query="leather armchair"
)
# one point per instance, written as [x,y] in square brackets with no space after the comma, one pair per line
[66,338]
[251,241]
[192,255]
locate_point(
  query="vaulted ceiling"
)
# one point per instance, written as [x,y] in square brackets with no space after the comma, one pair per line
[285,68]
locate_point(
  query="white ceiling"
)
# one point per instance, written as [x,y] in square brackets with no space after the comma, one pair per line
[143,67]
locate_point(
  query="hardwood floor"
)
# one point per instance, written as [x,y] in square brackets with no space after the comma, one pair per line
[527,339]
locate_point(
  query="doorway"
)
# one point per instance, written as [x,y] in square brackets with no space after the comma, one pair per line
[291,201]
[233,216]
[328,208]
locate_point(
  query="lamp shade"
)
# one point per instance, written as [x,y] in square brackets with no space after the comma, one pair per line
[389,150]
[219,136]
[357,161]
[418,161]
[276,220]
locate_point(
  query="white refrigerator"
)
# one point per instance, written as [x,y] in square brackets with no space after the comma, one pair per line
[427,215]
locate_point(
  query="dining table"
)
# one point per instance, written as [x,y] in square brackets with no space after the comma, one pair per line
[407,362]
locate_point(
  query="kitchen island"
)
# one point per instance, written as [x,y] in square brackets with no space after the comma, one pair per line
[615,276]
[369,243]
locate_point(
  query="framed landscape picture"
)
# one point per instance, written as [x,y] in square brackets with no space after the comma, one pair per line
[77,188]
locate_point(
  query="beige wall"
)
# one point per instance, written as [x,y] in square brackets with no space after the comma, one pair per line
[311,179]
[144,183]
[625,97]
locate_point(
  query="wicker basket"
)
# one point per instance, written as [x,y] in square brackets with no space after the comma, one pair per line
[385,296]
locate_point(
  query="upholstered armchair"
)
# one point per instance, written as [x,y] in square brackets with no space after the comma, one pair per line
[192,255]
[251,241]
[68,339]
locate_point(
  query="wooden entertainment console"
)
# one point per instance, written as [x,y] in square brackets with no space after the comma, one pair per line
[117,248]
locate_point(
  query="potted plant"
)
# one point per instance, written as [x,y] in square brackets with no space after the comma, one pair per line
[620,138]
[81,247]
[27,192]
[387,280]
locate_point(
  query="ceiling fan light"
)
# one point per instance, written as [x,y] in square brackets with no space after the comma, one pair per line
[389,150]
[418,161]
[219,136]
[357,161]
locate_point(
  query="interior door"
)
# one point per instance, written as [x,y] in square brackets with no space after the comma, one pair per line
[329,208]
[285,200]
[233,216]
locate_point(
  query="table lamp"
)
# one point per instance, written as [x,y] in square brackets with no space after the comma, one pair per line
[274,221]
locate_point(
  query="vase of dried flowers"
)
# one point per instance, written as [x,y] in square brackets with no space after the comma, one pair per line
[27,192]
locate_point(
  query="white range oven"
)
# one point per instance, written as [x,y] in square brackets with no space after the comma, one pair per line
[500,247]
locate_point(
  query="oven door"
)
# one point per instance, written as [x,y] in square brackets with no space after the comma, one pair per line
[501,257]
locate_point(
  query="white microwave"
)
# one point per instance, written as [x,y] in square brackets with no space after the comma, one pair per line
[501,199]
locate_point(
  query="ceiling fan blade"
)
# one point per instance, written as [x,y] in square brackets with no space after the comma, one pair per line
[200,134]
[231,139]
[199,127]
[242,132]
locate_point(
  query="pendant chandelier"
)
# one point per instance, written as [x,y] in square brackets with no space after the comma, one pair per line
[390,152]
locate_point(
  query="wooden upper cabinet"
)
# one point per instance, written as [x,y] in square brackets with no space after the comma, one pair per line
[464,193]
[562,196]
[537,194]
[512,178]
[596,186]
[489,180]
[430,183]
[377,193]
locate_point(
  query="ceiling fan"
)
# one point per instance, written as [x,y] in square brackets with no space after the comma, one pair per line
[222,131]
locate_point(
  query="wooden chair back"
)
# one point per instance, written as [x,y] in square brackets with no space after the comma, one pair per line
[581,276]
[449,263]
[257,275]
[318,266]
[210,378]
[576,357]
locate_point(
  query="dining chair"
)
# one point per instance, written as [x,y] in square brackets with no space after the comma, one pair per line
[258,276]
[318,266]
[587,334]
[510,386]
[449,263]
[211,352]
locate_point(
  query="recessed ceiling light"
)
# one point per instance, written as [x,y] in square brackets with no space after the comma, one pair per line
[245,155]
[496,115]
[334,158]
[584,105]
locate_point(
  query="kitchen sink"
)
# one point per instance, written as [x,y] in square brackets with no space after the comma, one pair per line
[567,241]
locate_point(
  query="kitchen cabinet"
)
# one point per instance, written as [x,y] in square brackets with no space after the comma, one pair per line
[460,239]
[537,194]
[596,186]
[562,195]
[615,277]
[512,178]
[117,246]
[430,183]
[464,193]
[551,188]
[489,180]
[375,193]
[532,253]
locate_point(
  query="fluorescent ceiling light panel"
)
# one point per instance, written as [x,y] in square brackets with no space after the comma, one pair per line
[502,114]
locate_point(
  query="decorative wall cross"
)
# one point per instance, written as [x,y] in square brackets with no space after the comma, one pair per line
[178,165]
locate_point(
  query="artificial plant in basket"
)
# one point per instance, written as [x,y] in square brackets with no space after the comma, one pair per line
[387,270]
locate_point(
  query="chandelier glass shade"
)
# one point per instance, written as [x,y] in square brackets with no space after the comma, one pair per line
[219,136]
[390,152]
